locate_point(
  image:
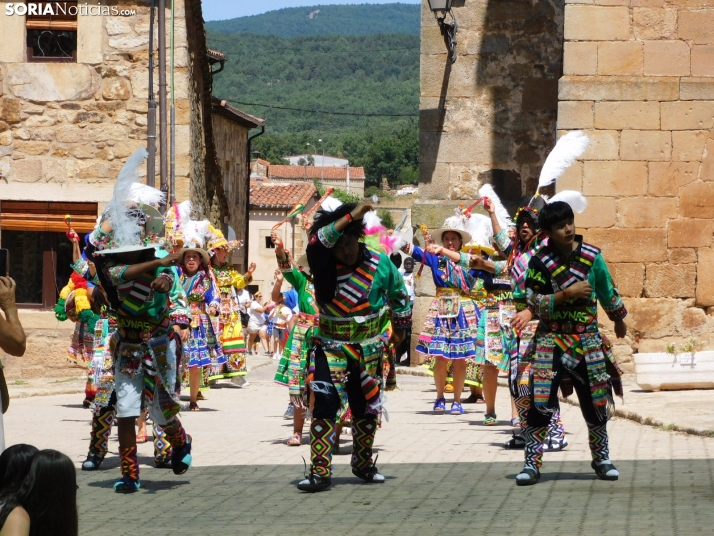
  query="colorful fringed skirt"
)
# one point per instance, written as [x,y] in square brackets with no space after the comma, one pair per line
[102,364]
[293,360]
[496,341]
[450,327]
[202,348]
[232,343]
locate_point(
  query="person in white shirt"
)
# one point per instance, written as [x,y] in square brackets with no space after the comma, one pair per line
[407,272]
[281,316]
[257,326]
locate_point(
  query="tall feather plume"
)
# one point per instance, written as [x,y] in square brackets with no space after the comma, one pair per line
[569,148]
[501,213]
[126,230]
[372,223]
[480,229]
[146,195]
[184,212]
[576,200]
[194,234]
[330,204]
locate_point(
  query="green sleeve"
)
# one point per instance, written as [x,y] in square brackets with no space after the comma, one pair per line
[605,291]
[296,278]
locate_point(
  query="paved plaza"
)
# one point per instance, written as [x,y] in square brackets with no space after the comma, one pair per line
[445,475]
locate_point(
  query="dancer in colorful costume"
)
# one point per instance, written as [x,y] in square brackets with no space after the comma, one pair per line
[452,321]
[356,288]
[566,279]
[203,349]
[293,361]
[227,325]
[145,349]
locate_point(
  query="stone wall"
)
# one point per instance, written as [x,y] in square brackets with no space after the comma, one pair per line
[66,129]
[231,142]
[639,79]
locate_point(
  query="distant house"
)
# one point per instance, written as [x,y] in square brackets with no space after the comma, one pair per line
[270,203]
[318,159]
[259,168]
[350,179]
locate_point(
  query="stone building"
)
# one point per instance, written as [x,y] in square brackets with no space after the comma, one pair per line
[349,179]
[73,108]
[270,203]
[638,77]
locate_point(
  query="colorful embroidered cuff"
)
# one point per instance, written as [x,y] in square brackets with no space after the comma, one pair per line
[544,306]
[82,268]
[329,235]
[284,264]
[167,277]
[464,260]
[502,241]
[616,311]
[402,320]
[180,320]
[408,248]
[500,268]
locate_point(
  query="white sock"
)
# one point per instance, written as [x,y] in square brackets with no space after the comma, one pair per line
[611,472]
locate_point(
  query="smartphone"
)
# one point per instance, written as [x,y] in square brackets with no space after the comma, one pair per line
[4,262]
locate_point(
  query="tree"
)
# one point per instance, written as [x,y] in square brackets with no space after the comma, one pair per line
[386,218]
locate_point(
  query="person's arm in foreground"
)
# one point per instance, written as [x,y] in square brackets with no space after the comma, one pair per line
[12,336]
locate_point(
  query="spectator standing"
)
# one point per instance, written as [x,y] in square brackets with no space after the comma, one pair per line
[407,272]
[12,339]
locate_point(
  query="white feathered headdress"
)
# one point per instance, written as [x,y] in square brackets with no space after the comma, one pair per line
[504,219]
[195,235]
[576,200]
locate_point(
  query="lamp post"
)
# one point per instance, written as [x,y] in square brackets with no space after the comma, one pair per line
[314,151]
[448,29]
[323,160]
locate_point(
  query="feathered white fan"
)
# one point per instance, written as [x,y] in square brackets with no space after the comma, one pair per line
[146,195]
[501,213]
[125,228]
[568,149]
[480,229]
[576,200]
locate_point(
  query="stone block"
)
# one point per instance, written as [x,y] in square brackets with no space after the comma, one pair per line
[690,233]
[667,58]
[69,134]
[618,88]
[614,178]
[459,80]
[696,26]
[666,178]
[696,89]
[617,244]
[703,60]
[604,144]
[647,3]
[34,148]
[140,106]
[12,44]
[432,215]
[580,57]
[595,23]
[682,256]
[646,212]
[90,39]
[462,148]
[629,278]
[52,82]
[693,318]
[652,317]
[27,171]
[84,151]
[670,281]
[697,200]
[116,89]
[600,212]
[619,58]
[571,179]
[539,94]
[689,115]
[705,277]
[575,114]
[627,115]
[688,145]
[10,110]
[646,145]
[652,23]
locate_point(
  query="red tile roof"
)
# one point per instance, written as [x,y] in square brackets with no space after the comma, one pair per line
[314,172]
[283,195]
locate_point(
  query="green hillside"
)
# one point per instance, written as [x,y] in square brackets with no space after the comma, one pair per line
[369,84]
[363,19]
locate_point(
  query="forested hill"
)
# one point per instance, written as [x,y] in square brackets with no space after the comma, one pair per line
[367,85]
[363,19]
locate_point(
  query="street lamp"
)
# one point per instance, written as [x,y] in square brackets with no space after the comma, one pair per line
[448,29]
[323,159]
[314,151]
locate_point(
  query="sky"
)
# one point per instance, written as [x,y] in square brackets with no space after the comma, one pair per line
[230,9]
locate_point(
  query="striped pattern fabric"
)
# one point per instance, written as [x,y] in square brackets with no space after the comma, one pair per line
[135,295]
[353,287]
[578,269]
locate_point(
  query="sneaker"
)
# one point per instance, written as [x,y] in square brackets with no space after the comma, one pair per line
[240,381]
[290,412]
[515,443]
[555,445]
[605,470]
[528,477]
[369,474]
[92,462]
[314,483]
[127,485]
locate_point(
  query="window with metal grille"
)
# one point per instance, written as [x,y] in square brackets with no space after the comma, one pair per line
[51,32]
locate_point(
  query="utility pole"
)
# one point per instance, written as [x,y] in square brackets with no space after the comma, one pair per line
[163,116]
[151,116]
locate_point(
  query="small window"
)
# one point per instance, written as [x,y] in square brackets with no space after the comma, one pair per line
[52,32]
[269,243]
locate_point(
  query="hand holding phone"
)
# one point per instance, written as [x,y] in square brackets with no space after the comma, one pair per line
[4,262]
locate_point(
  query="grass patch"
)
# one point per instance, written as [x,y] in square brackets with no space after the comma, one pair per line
[20,382]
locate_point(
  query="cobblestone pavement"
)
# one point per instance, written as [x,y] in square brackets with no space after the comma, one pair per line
[445,474]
